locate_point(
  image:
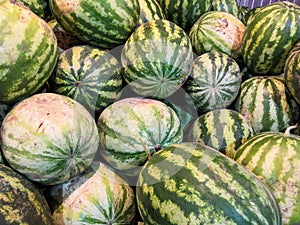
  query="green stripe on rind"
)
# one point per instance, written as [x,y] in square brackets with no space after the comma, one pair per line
[88,75]
[217,31]
[98,196]
[214,82]
[184,12]
[292,72]
[274,157]
[130,125]
[21,202]
[39,7]
[106,24]
[24,74]
[230,6]
[264,102]
[150,10]
[49,146]
[223,129]
[267,42]
[185,184]
[148,70]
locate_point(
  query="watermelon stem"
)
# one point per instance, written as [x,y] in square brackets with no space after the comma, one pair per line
[144,146]
[287,131]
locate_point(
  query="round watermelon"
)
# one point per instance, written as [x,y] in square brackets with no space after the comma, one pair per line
[21,202]
[98,196]
[28,52]
[195,184]
[49,138]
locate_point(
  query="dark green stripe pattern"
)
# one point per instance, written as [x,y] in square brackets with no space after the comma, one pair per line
[195,184]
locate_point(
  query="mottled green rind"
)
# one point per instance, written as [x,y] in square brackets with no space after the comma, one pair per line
[292,72]
[39,7]
[49,138]
[222,129]
[88,75]
[217,31]
[98,196]
[275,158]
[267,41]
[28,52]
[106,23]
[132,127]
[214,82]
[264,101]
[150,10]
[230,6]
[188,184]
[20,201]
[184,12]
[157,59]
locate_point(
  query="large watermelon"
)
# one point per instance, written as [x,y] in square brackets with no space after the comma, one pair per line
[275,158]
[98,196]
[292,72]
[89,75]
[218,31]
[49,138]
[214,82]
[269,36]
[187,184]
[105,23]
[222,129]
[132,129]
[157,58]
[28,52]
[265,102]
[184,12]
[21,202]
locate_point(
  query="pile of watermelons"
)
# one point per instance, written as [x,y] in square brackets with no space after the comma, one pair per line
[149,111]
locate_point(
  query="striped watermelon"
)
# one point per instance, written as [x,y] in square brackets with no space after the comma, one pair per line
[132,129]
[187,184]
[242,13]
[157,58]
[28,52]
[105,23]
[267,41]
[264,101]
[49,138]
[21,201]
[98,196]
[292,72]
[217,31]
[150,10]
[184,13]
[230,6]
[39,7]
[89,75]
[214,82]
[275,158]
[222,129]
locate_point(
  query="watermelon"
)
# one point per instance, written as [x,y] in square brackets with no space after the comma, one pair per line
[275,158]
[157,58]
[28,52]
[195,184]
[88,75]
[242,12]
[98,196]
[39,7]
[292,72]
[222,129]
[214,82]
[150,10]
[21,202]
[267,41]
[230,6]
[265,102]
[217,31]
[132,129]
[184,13]
[49,138]
[106,23]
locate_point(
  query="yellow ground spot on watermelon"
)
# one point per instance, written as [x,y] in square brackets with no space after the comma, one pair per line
[67,6]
